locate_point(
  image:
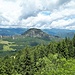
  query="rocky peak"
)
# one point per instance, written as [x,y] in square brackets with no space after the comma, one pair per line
[33,32]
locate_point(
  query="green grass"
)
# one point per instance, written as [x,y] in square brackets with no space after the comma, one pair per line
[4,42]
[7,48]
[7,45]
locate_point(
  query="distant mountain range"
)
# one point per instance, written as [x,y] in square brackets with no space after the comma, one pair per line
[55,32]
[60,32]
[11,31]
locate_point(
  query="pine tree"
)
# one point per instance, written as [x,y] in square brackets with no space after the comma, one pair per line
[71,49]
[26,64]
[73,41]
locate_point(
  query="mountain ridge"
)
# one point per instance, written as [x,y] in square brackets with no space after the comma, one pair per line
[54,32]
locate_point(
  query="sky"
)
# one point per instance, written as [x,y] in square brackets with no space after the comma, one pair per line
[43,14]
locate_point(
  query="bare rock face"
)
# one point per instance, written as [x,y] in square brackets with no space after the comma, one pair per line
[33,32]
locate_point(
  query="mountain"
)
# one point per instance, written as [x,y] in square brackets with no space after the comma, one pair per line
[60,32]
[53,32]
[31,37]
[38,33]
[11,31]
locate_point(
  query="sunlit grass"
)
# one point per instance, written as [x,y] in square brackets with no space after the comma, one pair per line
[7,45]
[7,48]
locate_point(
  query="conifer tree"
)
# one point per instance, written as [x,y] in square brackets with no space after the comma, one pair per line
[73,40]
[26,64]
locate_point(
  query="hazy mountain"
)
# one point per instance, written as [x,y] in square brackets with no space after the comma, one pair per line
[11,31]
[60,32]
[55,32]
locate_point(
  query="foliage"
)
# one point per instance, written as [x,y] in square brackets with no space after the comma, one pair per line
[57,58]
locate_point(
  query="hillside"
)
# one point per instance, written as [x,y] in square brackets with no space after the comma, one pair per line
[31,37]
[57,58]
[33,32]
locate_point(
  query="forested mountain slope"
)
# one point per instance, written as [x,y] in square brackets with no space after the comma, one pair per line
[57,58]
[31,37]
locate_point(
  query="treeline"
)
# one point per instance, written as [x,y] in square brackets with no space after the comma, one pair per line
[57,58]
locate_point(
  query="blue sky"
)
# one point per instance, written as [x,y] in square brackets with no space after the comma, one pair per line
[37,13]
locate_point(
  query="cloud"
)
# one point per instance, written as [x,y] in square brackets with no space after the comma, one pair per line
[54,20]
[33,7]
[37,13]
[30,8]
[10,0]
[9,10]
[63,1]
[62,23]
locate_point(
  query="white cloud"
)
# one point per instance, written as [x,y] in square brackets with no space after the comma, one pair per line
[62,23]
[37,13]
[10,10]
[33,7]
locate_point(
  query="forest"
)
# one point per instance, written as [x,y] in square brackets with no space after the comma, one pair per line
[56,58]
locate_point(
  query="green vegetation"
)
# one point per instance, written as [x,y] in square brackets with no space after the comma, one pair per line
[20,42]
[5,45]
[57,58]
[31,37]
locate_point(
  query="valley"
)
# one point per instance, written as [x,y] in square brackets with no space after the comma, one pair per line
[19,38]
[31,37]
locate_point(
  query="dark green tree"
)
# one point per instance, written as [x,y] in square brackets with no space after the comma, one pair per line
[26,64]
[73,40]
